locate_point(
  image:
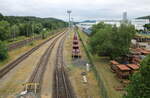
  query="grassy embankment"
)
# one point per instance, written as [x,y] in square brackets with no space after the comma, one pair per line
[109,79]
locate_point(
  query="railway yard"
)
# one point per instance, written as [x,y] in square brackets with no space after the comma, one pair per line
[60,67]
[74,49]
[48,71]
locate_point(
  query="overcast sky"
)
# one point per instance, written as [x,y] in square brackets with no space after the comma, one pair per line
[81,9]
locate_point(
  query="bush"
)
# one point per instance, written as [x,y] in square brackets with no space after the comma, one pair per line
[3,51]
[139,86]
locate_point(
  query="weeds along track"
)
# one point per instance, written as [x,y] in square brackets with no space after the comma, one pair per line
[61,86]
[7,68]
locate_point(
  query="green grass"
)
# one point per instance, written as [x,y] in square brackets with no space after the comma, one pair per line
[109,78]
[17,39]
[102,66]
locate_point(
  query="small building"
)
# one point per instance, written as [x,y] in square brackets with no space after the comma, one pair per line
[133,67]
[123,71]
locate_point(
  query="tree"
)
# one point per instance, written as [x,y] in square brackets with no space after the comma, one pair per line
[140,81]
[11,26]
[3,51]
[110,40]
[4,30]
[1,17]
[100,42]
[22,28]
[121,40]
[147,26]
[14,31]
[98,26]
[37,28]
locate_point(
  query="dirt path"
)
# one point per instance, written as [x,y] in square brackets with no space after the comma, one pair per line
[11,84]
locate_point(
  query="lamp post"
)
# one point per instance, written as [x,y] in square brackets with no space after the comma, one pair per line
[69,12]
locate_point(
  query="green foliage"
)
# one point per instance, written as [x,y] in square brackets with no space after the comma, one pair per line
[111,40]
[1,17]
[13,26]
[147,26]
[3,51]
[98,26]
[4,30]
[140,82]
[14,30]
[38,27]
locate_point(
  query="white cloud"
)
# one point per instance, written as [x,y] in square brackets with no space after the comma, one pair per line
[82,9]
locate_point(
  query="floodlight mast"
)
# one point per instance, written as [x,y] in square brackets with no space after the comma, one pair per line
[69,12]
[72,21]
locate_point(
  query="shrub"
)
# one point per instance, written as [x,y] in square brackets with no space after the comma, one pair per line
[3,51]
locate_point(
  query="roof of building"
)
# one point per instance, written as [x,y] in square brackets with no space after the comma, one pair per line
[133,66]
[114,62]
[123,67]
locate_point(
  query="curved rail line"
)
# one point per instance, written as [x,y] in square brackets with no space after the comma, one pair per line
[13,64]
[61,86]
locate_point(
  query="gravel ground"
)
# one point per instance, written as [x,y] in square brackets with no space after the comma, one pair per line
[79,62]
[11,84]
[76,67]
[47,86]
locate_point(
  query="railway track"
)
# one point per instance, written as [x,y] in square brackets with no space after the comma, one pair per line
[10,66]
[61,86]
[22,43]
[38,73]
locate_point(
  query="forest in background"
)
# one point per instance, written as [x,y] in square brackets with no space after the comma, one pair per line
[14,26]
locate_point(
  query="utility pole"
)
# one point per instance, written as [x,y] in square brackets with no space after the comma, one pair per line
[69,12]
[69,29]
[72,21]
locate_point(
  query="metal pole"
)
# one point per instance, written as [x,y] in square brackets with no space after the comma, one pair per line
[69,21]
[72,22]
[69,12]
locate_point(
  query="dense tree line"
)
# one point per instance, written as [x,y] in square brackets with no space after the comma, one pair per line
[13,26]
[110,40]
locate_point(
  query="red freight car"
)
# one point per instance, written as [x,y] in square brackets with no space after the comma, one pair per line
[75,47]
